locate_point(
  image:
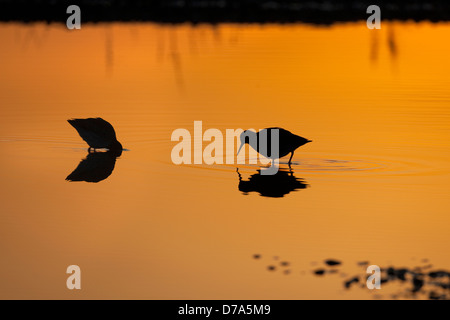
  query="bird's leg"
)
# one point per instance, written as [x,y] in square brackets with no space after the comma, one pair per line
[292,154]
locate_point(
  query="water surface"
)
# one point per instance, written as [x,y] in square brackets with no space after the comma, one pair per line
[371,187]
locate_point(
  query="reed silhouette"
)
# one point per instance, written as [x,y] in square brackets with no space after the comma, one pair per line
[275,186]
[97,166]
[262,142]
[97,133]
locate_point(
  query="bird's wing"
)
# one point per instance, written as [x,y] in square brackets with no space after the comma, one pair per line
[97,132]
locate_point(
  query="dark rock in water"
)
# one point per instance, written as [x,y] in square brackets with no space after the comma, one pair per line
[256,256]
[438,274]
[331,262]
[401,274]
[445,286]
[390,271]
[412,282]
[435,296]
[433,285]
[417,284]
[363,263]
[319,272]
[348,283]
[397,273]
[333,271]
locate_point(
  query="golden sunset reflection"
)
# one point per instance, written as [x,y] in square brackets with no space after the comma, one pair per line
[376,104]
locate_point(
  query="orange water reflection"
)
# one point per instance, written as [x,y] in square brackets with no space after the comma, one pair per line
[375,102]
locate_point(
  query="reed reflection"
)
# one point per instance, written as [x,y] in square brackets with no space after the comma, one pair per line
[96,167]
[273,186]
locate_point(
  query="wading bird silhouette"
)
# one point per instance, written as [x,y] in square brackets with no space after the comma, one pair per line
[97,133]
[287,141]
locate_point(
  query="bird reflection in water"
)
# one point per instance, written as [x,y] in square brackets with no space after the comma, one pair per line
[96,167]
[274,186]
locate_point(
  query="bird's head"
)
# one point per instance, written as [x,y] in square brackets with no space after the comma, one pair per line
[116,147]
[245,138]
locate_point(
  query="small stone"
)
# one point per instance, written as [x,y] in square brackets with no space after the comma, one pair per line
[319,272]
[332,263]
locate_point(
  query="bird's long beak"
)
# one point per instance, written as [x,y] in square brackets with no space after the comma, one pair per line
[242,144]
